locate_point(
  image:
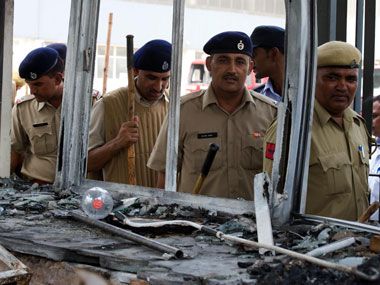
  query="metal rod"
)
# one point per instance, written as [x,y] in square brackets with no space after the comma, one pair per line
[320,262]
[129,235]
[175,93]
[331,247]
[342,223]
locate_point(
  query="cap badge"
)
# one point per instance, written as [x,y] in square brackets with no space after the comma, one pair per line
[353,64]
[240,45]
[33,75]
[165,65]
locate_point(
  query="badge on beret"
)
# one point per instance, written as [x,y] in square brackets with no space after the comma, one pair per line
[354,64]
[240,45]
[165,65]
[33,75]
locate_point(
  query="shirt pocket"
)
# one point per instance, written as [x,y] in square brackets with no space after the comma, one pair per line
[252,152]
[364,162]
[199,150]
[42,140]
[336,173]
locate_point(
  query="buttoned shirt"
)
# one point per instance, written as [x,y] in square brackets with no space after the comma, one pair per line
[35,132]
[239,136]
[267,90]
[373,181]
[338,165]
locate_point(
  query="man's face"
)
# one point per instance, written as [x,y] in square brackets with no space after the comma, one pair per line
[151,85]
[335,88]
[229,71]
[262,62]
[46,88]
[376,119]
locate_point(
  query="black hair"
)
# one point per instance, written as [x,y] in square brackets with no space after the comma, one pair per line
[59,67]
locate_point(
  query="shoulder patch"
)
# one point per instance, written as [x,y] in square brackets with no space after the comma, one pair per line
[263,98]
[24,99]
[191,96]
[96,94]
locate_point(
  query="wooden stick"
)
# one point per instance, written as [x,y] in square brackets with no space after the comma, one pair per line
[107,54]
[131,108]
[368,213]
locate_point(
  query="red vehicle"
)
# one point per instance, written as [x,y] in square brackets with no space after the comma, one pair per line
[200,77]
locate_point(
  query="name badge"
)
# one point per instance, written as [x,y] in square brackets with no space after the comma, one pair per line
[40,124]
[207,135]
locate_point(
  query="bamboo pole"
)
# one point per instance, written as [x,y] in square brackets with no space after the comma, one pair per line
[131,108]
[107,54]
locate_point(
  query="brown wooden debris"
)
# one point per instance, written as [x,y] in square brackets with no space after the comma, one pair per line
[375,243]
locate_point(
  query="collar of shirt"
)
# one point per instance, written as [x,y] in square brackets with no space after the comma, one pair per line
[210,98]
[324,116]
[41,105]
[142,101]
[269,91]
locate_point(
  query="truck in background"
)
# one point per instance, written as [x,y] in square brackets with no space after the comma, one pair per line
[199,77]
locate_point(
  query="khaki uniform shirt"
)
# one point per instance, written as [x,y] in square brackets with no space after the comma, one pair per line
[338,166]
[239,136]
[35,132]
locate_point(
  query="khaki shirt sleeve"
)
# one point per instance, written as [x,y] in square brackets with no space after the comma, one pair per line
[19,139]
[269,148]
[157,159]
[97,135]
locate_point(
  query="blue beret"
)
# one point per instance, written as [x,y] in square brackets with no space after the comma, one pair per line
[38,63]
[60,48]
[155,56]
[229,42]
[268,36]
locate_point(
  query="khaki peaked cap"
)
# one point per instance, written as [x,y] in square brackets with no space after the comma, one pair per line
[338,54]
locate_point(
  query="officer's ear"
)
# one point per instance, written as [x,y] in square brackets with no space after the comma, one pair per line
[274,52]
[208,63]
[135,72]
[250,68]
[58,78]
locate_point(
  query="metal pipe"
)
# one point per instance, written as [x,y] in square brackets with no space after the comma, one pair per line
[331,247]
[129,235]
[175,93]
[342,223]
[320,262]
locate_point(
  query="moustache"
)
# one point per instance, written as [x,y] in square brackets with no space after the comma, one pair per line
[230,76]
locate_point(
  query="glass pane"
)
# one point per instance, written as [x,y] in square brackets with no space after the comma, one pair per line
[120,51]
[101,50]
[100,67]
[121,67]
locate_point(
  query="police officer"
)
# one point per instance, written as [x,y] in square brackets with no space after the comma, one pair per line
[110,131]
[36,117]
[268,59]
[338,166]
[62,50]
[227,114]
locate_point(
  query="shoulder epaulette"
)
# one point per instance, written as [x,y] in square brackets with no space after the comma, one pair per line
[192,96]
[263,98]
[24,99]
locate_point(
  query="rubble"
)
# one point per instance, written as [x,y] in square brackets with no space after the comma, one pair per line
[34,221]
